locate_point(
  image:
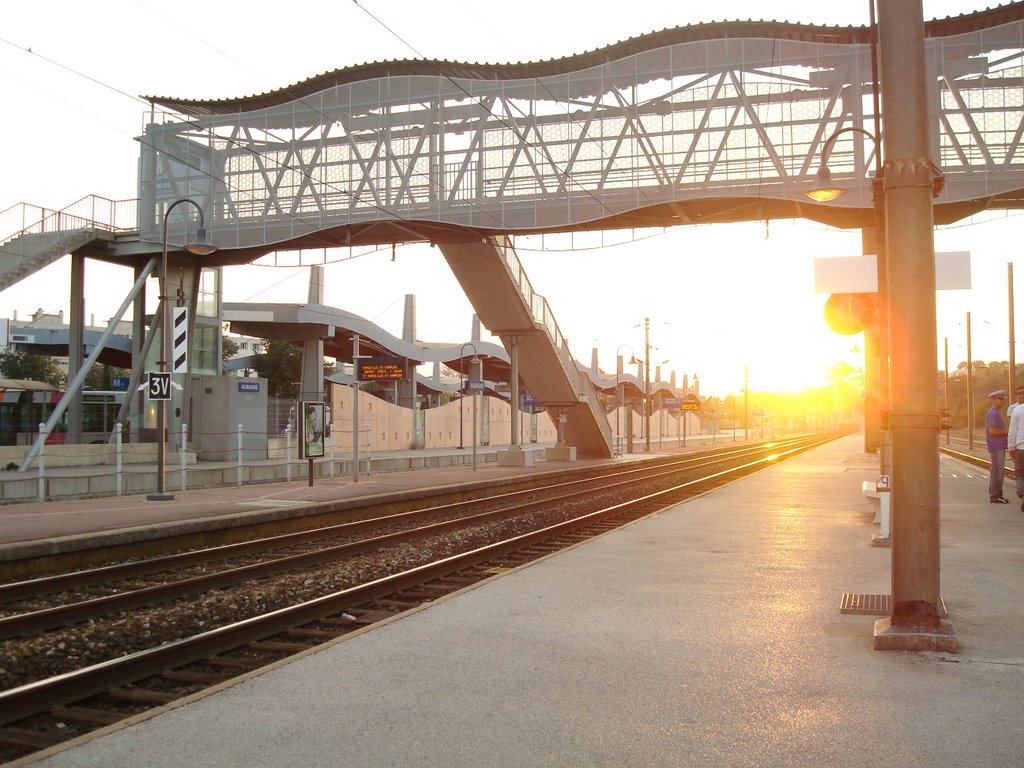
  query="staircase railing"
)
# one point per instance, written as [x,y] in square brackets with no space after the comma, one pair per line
[91,212]
[541,312]
[537,304]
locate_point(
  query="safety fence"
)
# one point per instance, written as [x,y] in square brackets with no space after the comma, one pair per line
[67,472]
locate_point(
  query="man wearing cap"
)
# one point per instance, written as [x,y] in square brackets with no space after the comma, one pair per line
[995,440]
[1015,442]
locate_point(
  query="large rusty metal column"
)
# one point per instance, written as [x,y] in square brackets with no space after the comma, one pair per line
[914,622]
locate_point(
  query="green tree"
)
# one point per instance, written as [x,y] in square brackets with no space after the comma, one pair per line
[15,364]
[229,348]
[101,376]
[281,365]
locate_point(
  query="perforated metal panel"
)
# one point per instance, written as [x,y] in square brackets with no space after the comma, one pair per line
[696,120]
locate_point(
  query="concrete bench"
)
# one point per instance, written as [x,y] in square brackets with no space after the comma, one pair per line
[879,493]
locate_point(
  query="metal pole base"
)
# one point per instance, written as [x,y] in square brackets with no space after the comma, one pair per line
[894,637]
[160,496]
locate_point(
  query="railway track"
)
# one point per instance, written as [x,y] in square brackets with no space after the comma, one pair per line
[445,548]
[36,605]
[960,448]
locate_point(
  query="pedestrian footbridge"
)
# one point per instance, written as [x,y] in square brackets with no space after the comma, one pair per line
[708,123]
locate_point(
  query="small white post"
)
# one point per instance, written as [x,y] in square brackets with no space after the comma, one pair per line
[885,499]
[330,438]
[184,442]
[240,428]
[883,487]
[367,449]
[42,461]
[288,452]
[118,458]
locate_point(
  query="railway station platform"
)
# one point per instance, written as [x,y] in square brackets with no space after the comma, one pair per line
[58,526]
[709,634]
[37,529]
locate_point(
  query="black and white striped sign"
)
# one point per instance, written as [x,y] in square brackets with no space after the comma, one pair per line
[179,335]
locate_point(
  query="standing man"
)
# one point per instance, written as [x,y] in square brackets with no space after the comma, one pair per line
[1015,442]
[995,440]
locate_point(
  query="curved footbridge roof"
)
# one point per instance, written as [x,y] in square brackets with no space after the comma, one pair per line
[117,351]
[718,122]
[715,122]
[337,328]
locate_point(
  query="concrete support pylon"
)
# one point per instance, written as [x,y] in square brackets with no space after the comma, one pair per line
[76,333]
[311,386]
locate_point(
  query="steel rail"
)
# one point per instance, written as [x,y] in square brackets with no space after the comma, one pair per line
[977,461]
[17,625]
[31,588]
[32,698]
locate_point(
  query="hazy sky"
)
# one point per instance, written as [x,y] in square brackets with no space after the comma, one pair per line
[719,298]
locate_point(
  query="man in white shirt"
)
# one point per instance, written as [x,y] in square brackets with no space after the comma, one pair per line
[1015,442]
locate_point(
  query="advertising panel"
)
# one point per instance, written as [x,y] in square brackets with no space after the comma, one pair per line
[311,441]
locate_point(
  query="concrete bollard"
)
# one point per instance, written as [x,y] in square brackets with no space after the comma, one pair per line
[42,461]
[288,452]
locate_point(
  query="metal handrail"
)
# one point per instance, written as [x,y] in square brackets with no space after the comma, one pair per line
[90,212]
[541,312]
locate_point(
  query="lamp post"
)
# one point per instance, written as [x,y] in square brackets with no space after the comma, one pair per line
[462,388]
[1013,344]
[970,389]
[200,246]
[356,357]
[825,190]
[661,407]
[647,384]
[618,372]
[747,400]
[876,347]
[945,386]
[474,369]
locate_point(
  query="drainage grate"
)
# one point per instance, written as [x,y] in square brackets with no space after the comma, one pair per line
[875,605]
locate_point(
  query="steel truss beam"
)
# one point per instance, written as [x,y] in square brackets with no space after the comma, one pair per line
[630,140]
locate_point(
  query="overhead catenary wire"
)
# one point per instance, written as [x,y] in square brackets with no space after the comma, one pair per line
[279,165]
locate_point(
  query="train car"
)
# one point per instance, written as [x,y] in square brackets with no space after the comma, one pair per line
[25,404]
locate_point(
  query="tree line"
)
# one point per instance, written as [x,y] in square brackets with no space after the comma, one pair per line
[985,378]
[281,365]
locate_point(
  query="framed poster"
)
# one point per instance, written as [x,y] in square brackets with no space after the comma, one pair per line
[312,438]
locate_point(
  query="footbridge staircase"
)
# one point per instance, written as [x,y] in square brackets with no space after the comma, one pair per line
[496,284]
[32,237]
